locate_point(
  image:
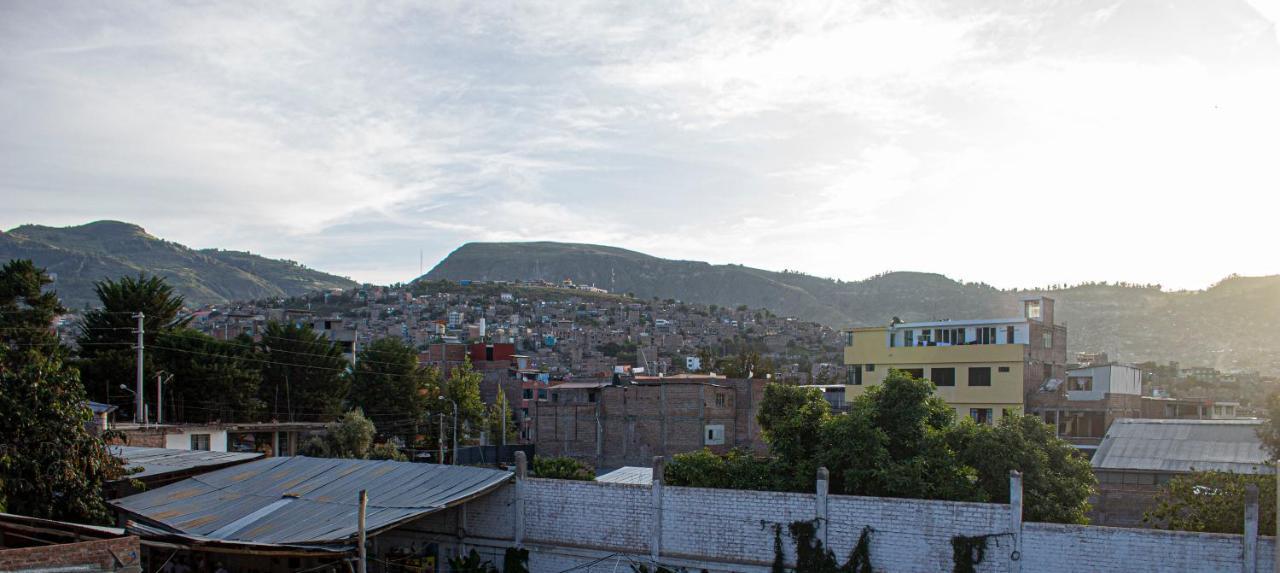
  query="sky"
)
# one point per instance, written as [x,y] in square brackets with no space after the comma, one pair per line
[1015,143]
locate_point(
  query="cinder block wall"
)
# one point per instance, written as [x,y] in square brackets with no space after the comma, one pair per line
[569,523]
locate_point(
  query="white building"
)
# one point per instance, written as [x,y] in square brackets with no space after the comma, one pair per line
[1095,382]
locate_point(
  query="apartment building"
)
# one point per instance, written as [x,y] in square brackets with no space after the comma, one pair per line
[984,368]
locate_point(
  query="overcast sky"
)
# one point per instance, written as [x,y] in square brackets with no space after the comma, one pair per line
[1016,143]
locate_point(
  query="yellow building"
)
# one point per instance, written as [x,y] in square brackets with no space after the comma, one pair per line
[983,368]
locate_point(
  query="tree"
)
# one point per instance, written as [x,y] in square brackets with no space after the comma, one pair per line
[26,312]
[494,415]
[1212,502]
[390,388]
[900,440]
[463,387]
[304,376]
[351,436]
[51,466]
[1269,432]
[552,467]
[212,380]
[107,334]
[1056,480]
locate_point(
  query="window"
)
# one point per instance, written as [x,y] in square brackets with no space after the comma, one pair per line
[914,372]
[943,376]
[542,394]
[848,339]
[1033,309]
[715,435]
[1008,335]
[593,396]
[1048,371]
[1080,383]
[893,339]
[981,415]
[720,400]
[853,376]
[524,412]
[200,442]
[555,396]
[871,368]
[528,393]
[908,338]
[1004,369]
[986,335]
[980,376]
[1048,340]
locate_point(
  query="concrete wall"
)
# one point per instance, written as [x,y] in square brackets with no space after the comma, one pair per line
[608,527]
[180,438]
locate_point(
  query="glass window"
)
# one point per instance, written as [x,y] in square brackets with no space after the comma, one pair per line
[871,368]
[981,415]
[200,442]
[720,400]
[914,372]
[542,394]
[1080,383]
[1048,340]
[1008,335]
[528,393]
[943,376]
[980,376]
[893,339]
[908,338]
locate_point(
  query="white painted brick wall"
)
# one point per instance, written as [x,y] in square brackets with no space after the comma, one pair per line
[574,523]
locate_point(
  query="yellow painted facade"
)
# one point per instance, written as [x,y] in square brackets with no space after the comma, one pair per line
[870,351]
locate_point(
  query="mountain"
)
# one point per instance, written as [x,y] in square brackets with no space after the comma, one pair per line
[82,254]
[1232,325]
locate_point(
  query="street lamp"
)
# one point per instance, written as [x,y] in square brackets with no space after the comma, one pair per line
[135,395]
[455,429]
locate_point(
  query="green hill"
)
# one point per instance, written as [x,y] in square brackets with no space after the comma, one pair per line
[77,256]
[1232,325]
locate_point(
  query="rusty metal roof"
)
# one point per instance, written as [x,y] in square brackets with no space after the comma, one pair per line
[1180,446]
[160,461]
[300,500]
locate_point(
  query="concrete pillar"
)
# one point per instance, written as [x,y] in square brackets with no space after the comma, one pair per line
[820,511]
[1250,564]
[1015,520]
[655,532]
[522,472]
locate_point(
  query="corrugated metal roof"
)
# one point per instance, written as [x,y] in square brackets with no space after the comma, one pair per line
[1183,446]
[300,500]
[628,474]
[160,461]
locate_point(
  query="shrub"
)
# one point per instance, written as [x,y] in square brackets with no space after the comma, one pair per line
[562,468]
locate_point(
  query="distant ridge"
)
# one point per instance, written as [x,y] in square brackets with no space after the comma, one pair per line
[1232,325]
[81,254]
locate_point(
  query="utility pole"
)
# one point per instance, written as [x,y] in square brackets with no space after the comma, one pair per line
[441,459]
[139,416]
[364,503]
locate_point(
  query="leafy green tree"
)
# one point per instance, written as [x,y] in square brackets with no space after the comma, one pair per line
[304,376]
[900,440]
[26,311]
[463,386]
[553,467]
[51,466]
[391,389]
[1056,480]
[493,419]
[738,469]
[1269,432]
[387,451]
[1212,502]
[212,380]
[107,334]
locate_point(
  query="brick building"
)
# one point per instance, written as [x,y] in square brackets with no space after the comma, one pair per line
[33,544]
[612,424]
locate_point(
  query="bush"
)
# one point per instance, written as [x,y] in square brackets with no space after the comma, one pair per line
[738,469]
[1212,502]
[562,468]
[387,451]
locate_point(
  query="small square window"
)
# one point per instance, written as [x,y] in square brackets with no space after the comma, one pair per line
[720,400]
[943,376]
[200,442]
[871,368]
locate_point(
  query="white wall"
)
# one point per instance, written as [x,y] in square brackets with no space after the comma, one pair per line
[181,438]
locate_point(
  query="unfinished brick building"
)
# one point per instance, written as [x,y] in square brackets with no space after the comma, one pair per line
[612,424]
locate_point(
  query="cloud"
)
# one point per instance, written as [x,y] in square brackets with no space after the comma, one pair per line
[1016,143]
